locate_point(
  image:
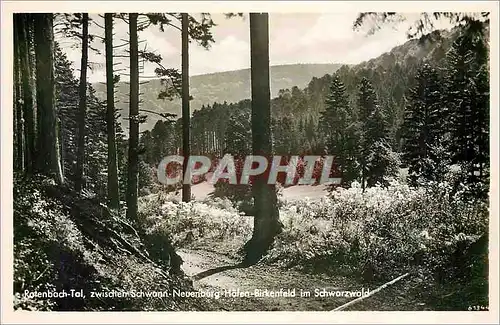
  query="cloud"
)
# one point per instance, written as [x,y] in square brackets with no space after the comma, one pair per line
[328,38]
[228,54]
[158,42]
[330,27]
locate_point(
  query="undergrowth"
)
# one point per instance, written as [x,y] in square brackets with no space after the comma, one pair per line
[436,232]
[65,242]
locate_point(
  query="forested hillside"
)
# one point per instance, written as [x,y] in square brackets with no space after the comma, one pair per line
[230,86]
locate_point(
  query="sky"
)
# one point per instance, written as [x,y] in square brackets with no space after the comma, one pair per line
[294,38]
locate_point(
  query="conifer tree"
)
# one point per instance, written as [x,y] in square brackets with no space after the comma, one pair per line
[186,140]
[238,133]
[23,22]
[423,124]
[18,115]
[338,126]
[112,163]
[66,88]
[266,217]
[382,161]
[49,162]
[375,157]
[467,103]
[367,103]
[133,156]
[82,104]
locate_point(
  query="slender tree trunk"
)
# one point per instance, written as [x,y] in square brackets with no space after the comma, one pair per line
[363,178]
[132,177]
[113,186]
[27,90]
[30,30]
[82,105]
[49,162]
[186,188]
[18,114]
[363,163]
[266,214]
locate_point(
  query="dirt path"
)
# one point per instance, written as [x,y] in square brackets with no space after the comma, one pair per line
[202,190]
[214,273]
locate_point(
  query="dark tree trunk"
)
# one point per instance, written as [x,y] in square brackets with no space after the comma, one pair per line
[27,90]
[363,179]
[82,105]
[266,215]
[30,30]
[49,162]
[113,186]
[132,177]
[18,107]
[186,188]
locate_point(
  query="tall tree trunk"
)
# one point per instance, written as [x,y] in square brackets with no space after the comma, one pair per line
[29,123]
[82,105]
[186,188]
[363,178]
[30,30]
[49,162]
[18,114]
[266,215]
[132,177]
[113,186]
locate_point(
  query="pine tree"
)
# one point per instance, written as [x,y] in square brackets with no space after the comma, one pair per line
[238,133]
[25,67]
[339,128]
[133,157]
[67,107]
[283,136]
[423,125]
[67,100]
[82,105]
[367,103]
[186,188]
[375,157]
[467,103]
[49,159]
[18,114]
[382,161]
[112,163]
[238,144]
[96,145]
[266,217]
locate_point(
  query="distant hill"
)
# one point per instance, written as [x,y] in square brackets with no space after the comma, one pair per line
[230,86]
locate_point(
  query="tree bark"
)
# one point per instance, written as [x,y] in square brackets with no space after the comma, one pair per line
[266,218]
[29,123]
[186,188]
[113,186]
[82,105]
[132,177]
[18,114]
[49,162]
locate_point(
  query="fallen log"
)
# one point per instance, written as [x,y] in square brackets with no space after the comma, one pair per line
[352,302]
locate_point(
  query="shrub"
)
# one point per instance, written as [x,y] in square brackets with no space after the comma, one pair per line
[187,222]
[384,230]
[63,241]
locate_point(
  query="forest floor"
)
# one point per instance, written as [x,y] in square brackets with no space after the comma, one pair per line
[216,272]
[213,264]
[217,269]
